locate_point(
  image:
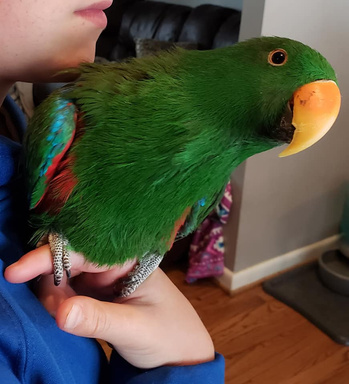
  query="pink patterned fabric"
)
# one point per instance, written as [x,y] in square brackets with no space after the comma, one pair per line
[206,254]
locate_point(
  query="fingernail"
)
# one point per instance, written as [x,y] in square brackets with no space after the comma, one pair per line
[74,317]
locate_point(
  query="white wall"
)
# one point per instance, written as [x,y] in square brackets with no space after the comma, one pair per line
[285,204]
[236,4]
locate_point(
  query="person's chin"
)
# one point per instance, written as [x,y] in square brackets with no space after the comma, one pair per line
[83,56]
[57,73]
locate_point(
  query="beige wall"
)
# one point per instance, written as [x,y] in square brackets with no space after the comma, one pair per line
[285,204]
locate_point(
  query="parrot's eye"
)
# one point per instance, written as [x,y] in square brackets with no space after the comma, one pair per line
[277,57]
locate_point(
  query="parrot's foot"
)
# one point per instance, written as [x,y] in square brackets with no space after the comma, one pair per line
[60,254]
[145,267]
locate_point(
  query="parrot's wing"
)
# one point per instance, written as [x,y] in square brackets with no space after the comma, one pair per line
[199,212]
[59,126]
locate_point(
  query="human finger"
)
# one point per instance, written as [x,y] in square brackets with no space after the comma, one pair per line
[39,262]
[118,324]
[51,296]
[34,263]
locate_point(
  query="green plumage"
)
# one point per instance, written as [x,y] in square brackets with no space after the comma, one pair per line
[160,134]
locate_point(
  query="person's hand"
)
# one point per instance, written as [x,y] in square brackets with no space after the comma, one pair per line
[154,326]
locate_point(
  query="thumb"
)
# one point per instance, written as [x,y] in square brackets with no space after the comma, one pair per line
[87,317]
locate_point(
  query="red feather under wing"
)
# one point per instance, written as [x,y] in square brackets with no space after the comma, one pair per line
[59,188]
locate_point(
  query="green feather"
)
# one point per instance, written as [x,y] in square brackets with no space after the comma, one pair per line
[163,132]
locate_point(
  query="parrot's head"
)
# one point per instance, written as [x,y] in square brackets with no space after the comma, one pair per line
[275,89]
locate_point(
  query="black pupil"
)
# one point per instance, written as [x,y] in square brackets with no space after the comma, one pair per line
[278,57]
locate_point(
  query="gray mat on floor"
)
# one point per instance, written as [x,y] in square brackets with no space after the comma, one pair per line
[302,290]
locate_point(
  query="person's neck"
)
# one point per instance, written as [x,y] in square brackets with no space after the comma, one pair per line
[4,88]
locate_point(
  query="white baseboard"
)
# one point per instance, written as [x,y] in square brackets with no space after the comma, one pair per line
[232,281]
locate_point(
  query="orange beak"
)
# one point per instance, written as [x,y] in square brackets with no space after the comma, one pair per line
[315,108]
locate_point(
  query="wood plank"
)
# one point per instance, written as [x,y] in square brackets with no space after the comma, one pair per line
[263,340]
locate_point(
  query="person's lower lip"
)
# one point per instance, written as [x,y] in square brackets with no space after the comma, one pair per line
[96,16]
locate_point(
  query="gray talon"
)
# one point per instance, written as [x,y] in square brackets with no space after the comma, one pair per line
[146,266]
[61,260]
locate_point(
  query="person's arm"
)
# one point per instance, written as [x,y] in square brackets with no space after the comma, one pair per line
[6,373]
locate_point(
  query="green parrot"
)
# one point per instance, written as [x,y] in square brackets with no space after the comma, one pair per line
[131,156]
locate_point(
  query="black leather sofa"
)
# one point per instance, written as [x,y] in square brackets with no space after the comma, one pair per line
[209,26]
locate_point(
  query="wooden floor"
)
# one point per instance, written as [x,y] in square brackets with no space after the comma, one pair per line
[263,340]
